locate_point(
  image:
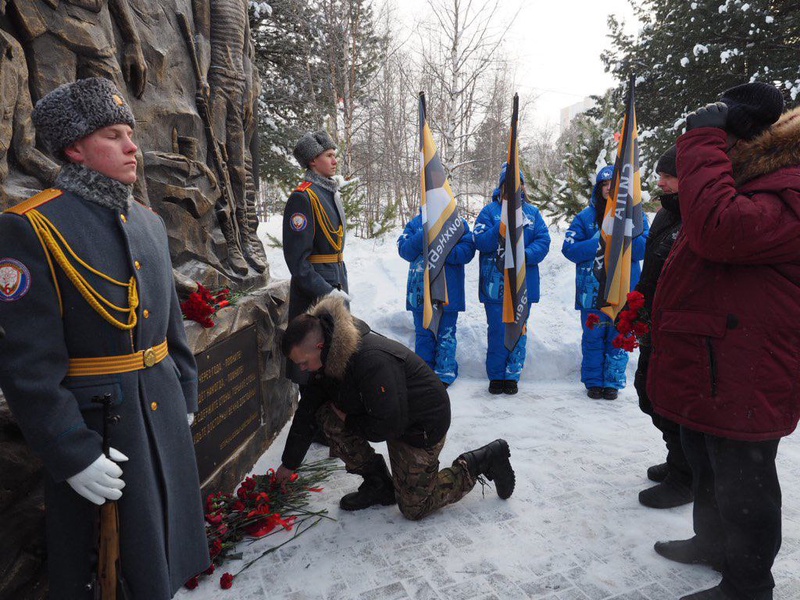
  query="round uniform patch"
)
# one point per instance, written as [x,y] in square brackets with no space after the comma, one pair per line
[298,221]
[15,279]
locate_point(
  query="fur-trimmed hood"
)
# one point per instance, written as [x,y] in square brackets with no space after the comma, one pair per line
[776,148]
[345,334]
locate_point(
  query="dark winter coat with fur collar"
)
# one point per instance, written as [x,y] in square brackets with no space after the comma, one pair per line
[726,317]
[387,391]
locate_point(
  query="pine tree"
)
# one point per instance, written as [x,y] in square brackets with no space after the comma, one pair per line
[686,53]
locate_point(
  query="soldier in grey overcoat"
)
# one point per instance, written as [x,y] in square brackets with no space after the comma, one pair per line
[314,230]
[89,308]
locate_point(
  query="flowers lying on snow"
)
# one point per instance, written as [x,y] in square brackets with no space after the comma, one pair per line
[260,507]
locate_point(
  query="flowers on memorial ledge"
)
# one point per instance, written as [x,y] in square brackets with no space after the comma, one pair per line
[202,304]
[261,507]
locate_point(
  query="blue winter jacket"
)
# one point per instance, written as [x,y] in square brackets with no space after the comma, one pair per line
[580,246]
[487,233]
[409,245]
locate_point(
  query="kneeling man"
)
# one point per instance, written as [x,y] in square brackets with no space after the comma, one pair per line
[365,388]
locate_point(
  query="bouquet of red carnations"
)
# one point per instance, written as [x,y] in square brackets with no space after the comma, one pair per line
[202,304]
[260,507]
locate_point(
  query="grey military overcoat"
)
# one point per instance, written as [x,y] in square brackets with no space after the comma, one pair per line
[163,541]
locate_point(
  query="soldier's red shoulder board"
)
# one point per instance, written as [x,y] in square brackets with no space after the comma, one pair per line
[303,186]
[36,201]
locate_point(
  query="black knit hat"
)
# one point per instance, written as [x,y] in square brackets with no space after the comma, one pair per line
[74,110]
[752,108]
[666,164]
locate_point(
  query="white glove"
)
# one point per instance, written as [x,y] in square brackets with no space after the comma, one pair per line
[337,293]
[100,481]
[190,418]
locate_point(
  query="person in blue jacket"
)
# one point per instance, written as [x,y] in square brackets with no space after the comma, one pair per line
[602,365]
[439,351]
[503,367]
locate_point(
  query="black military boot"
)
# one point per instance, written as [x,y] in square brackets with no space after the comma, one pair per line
[668,494]
[377,488]
[658,473]
[714,593]
[492,460]
[689,553]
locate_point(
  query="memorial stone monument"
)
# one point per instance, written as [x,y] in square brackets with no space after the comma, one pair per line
[187,69]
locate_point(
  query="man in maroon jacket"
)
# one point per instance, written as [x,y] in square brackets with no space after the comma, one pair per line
[725,331]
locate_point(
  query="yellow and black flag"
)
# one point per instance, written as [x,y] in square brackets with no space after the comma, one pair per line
[511,244]
[623,218]
[442,226]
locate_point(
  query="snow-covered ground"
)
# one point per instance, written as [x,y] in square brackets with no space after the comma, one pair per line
[573,528]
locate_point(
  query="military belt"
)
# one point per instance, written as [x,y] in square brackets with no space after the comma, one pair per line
[124,363]
[316,259]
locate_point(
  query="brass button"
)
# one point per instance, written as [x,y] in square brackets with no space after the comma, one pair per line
[146,313]
[123,218]
[149,358]
[137,264]
[154,406]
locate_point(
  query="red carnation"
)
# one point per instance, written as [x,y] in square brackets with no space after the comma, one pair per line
[226,581]
[635,300]
[210,570]
[192,583]
[592,321]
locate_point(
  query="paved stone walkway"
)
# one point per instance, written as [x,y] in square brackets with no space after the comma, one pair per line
[573,529]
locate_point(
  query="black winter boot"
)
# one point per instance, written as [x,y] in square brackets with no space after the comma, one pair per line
[492,460]
[510,387]
[689,553]
[658,473]
[667,494]
[496,386]
[610,394]
[595,393]
[377,488]
[714,593]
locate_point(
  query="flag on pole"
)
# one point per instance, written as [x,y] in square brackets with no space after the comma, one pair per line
[623,218]
[442,226]
[511,245]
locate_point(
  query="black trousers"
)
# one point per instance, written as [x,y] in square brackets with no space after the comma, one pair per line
[737,509]
[679,470]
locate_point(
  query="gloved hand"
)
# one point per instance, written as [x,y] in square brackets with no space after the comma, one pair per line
[100,481]
[710,115]
[190,418]
[337,293]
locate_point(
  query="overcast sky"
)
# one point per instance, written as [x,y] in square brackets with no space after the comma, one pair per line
[555,46]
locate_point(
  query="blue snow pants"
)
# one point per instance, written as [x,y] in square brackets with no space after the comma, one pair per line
[500,363]
[602,365]
[438,351]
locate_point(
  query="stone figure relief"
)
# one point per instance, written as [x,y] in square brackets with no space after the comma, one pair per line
[226,27]
[140,46]
[67,40]
[16,130]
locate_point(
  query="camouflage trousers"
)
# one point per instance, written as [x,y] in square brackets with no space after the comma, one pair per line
[420,487]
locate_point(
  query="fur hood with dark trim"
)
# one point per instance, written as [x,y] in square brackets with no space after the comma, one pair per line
[778,147]
[345,333]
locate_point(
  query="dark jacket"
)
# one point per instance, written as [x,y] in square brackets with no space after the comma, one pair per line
[163,540]
[387,391]
[304,237]
[725,317]
[663,233]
